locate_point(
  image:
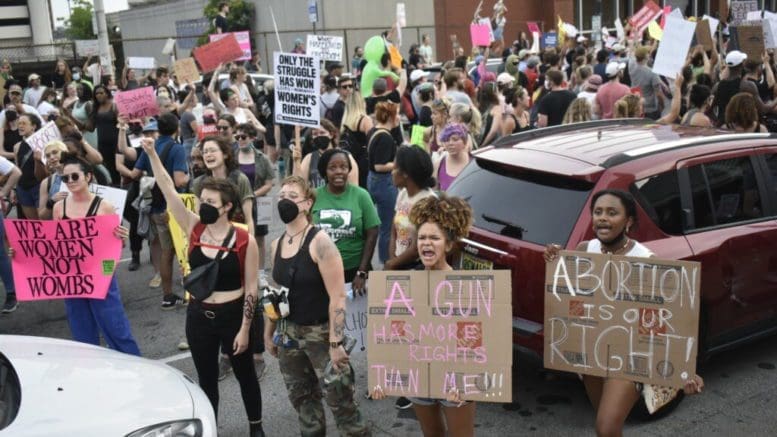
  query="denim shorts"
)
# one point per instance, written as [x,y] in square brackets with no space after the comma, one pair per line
[28,196]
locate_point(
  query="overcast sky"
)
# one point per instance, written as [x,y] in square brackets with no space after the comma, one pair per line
[59,8]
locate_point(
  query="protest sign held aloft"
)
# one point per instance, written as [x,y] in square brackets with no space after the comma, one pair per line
[64,258]
[622,317]
[87,47]
[186,71]
[137,103]
[648,13]
[297,87]
[141,63]
[116,196]
[327,48]
[222,50]
[670,57]
[46,134]
[243,41]
[431,332]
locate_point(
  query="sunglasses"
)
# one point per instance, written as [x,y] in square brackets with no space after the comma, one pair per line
[241,137]
[345,87]
[16,93]
[222,127]
[67,178]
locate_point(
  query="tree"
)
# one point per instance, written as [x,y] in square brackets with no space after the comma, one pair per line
[79,25]
[240,17]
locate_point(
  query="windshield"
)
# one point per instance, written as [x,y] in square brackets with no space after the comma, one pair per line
[536,207]
[10,393]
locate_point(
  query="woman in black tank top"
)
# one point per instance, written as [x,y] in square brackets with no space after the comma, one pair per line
[221,321]
[308,264]
[88,318]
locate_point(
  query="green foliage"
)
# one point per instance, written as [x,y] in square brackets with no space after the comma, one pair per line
[240,17]
[79,25]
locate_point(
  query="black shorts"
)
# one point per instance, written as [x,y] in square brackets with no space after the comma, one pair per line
[260,230]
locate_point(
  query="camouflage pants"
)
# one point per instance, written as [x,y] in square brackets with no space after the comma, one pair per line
[303,367]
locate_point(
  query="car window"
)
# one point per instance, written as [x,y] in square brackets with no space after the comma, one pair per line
[724,192]
[771,162]
[659,196]
[536,207]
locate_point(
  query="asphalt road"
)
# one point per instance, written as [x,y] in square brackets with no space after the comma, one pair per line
[741,385]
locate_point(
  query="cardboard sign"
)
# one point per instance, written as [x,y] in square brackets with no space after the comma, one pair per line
[648,13]
[137,103]
[533,27]
[328,48]
[243,40]
[186,71]
[116,196]
[141,63]
[179,236]
[750,39]
[356,320]
[714,22]
[61,259]
[297,87]
[479,34]
[670,58]
[431,332]
[46,134]
[739,10]
[703,34]
[622,317]
[210,55]
[264,209]
[87,47]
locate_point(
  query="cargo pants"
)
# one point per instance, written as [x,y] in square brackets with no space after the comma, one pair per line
[302,365]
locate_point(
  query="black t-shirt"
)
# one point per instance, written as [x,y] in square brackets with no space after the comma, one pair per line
[425,116]
[372,101]
[221,23]
[338,110]
[555,104]
[381,148]
[415,60]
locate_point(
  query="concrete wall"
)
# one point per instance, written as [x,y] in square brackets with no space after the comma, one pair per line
[356,20]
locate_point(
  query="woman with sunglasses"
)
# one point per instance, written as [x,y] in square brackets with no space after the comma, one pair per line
[104,119]
[50,192]
[323,138]
[222,321]
[90,318]
[225,125]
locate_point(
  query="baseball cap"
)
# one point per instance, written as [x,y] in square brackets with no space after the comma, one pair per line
[618,47]
[613,68]
[523,53]
[581,38]
[33,76]
[593,83]
[735,58]
[505,78]
[151,126]
[417,75]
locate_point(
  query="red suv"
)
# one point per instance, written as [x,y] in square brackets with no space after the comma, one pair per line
[704,195]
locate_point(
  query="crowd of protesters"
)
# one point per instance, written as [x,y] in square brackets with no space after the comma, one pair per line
[349,187]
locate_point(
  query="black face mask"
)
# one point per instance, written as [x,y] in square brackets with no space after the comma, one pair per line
[209,214]
[322,142]
[11,115]
[287,210]
[208,120]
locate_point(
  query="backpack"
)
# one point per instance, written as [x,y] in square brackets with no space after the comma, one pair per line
[240,246]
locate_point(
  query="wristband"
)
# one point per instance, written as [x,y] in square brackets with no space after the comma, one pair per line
[362,274]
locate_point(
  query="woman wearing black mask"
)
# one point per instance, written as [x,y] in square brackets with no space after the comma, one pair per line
[324,137]
[223,319]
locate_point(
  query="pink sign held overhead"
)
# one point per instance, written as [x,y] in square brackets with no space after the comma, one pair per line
[63,259]
[644,16]
[219,51]
[533,27]
[138,103]
[480,34]
[243,40]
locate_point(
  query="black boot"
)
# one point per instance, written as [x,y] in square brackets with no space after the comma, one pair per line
[135,263]
[256,429]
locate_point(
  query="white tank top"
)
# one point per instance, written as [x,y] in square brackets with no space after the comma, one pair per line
[639,250]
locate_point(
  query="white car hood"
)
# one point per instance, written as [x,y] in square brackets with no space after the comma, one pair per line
[78,389]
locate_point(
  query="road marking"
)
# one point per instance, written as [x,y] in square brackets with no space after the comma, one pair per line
[178,357]
[125,260]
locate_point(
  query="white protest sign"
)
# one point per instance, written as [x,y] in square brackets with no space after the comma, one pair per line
[356,319]
[48,133]
[116,196]
[264,210]
[87,47]
[770,33]
[713,25]
[168,48]
[141,63]
[297,87]
[328,48]
[620,30]
[671,57]
[401,16]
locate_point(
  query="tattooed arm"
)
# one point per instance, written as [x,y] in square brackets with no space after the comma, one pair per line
[250,287]
[330,264]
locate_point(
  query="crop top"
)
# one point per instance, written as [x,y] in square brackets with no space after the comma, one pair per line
[231,266]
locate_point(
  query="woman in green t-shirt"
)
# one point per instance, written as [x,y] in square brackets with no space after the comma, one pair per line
[346,213]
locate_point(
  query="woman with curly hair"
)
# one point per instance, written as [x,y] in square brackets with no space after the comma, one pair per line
[440,222]
[579,111]
[628,106]
[742,114]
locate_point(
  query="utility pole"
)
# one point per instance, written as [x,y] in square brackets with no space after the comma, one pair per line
[102,37]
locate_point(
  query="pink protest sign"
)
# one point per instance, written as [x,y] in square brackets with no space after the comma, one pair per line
[533,27]
[223,50]
[243,40]
[63,259]
[644,16]
[480,34]
[138,103]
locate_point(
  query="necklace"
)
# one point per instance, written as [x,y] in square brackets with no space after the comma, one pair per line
[213,238]
[291,237]
[625,243]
